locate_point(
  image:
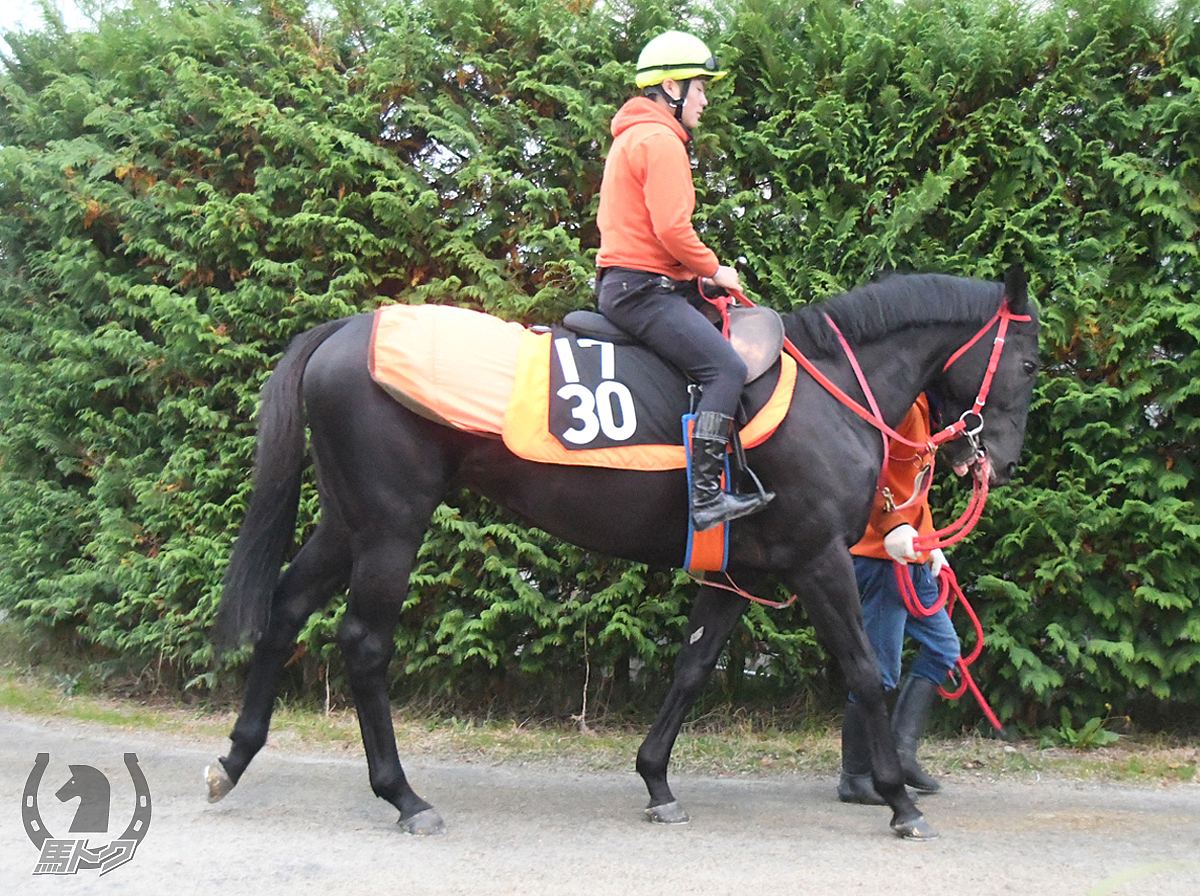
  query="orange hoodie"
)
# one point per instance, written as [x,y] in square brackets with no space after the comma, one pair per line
[904,463]
[647,197]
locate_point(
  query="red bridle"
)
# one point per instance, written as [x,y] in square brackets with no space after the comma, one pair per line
[968,426]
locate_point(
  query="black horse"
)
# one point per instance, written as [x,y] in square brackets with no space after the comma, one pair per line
[382,470]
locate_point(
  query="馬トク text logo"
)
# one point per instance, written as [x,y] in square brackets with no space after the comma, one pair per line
[70,855]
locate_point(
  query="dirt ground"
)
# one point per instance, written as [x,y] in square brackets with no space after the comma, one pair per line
[306,822]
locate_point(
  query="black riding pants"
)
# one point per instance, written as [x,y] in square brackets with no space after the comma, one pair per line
[659,312]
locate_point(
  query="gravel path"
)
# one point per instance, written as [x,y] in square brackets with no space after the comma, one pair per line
[305,822]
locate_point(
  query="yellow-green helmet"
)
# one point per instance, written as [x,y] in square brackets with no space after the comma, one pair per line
[678,55]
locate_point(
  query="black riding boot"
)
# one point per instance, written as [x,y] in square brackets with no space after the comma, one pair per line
[908,725]
[710,503]
[855,784]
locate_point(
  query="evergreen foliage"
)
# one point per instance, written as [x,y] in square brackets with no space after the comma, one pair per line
[189,185]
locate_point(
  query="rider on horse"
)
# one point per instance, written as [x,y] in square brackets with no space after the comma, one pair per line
[650,257]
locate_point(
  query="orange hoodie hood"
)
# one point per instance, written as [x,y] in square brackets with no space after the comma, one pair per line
[643,110]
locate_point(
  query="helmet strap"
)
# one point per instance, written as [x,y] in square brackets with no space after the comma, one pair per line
[684,86]
[675,104]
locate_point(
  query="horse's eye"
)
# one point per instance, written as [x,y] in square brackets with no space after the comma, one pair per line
[1030,366]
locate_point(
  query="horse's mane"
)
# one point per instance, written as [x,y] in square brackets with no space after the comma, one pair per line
[874,310]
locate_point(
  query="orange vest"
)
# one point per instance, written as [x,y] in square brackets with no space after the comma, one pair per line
[904,463]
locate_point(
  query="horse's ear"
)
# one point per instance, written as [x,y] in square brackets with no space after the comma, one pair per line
[1016,289]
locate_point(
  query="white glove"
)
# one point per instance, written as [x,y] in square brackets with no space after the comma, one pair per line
[899,543]
[937,560]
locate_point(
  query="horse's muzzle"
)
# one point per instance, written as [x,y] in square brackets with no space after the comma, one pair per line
[980,467]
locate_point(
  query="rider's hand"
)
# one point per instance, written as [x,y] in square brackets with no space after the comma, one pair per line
[727,278]
[899,543]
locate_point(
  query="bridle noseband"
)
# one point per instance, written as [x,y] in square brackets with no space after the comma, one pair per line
[970,424]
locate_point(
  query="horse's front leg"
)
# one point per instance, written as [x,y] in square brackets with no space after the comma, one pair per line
[712,620]
[829,594]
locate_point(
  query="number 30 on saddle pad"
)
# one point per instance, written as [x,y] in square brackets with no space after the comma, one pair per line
[553,397]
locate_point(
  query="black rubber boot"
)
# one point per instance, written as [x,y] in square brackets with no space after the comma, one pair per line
[711,504]
[855,784]
[908,725]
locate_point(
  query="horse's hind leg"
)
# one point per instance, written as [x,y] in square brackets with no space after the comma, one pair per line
[713,617]
[382,471]
[320,570]
[367,641]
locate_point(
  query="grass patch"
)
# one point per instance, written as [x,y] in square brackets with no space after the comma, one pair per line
[722,743]
[719,745]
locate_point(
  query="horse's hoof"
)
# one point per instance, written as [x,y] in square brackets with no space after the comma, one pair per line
[218,781]
[915,829]
[667,813]
[425,823]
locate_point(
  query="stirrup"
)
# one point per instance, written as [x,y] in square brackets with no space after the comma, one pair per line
[738,456]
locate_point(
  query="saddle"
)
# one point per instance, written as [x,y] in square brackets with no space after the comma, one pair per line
[756,334]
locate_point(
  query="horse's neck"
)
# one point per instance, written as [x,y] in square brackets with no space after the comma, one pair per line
[898,369]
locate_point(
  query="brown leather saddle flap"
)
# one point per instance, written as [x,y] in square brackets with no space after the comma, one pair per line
[756,334]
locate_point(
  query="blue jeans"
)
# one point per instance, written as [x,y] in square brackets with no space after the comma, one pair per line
[887,621]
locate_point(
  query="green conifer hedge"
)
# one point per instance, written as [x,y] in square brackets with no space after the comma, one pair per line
[188,185]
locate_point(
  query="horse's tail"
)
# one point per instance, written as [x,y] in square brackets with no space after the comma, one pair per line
[270,523]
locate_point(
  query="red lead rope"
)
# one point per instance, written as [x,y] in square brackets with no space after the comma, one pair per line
[958,529]
[949,596]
